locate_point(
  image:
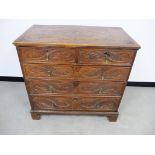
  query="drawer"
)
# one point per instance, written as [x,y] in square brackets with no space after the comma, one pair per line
[75,103]
[80,72]
[48,71]
[112,73]
[55,55]
[106,56]
[101,88]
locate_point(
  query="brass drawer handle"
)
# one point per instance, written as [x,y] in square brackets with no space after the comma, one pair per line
[49,73]
[47,55]
[107,55]
[102,76]
[75,99]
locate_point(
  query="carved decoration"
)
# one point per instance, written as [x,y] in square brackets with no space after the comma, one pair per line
[75,87]
[104,73]
[37,70]
[69,103]
[99,104]
[54,55]
[50,103]
[105,56]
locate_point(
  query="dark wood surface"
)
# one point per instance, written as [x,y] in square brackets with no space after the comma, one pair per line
[75,79]
[45,35]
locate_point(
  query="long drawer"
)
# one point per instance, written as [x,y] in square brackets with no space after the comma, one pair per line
[75,103]
[100,88]
[80,72]
[58,55]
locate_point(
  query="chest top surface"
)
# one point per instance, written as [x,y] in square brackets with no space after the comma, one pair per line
[76,36]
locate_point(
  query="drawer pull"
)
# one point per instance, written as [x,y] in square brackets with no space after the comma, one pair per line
[75,99]
[102,76]
[49,73]
[47,55]
[107,56]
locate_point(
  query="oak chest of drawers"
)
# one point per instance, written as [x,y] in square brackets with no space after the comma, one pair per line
[75,69]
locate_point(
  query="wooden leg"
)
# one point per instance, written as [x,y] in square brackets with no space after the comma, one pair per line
[112,118]
[35,116]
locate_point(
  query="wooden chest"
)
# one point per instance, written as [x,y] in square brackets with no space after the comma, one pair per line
[75,69]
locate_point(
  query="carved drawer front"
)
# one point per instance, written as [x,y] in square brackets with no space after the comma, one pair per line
[101,88]
[51,86]
[75,87]
[48,71]
[104,73]
[75,103]
[106,56]
[49,54]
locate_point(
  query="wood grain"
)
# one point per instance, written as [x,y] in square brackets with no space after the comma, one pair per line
[60,35]
[78,72]
[47,102]
[106,56]
[50,54]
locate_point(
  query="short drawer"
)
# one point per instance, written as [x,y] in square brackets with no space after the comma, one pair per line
[106,56]
[112,73]
[47,71]
[55,55]
[100,88]
[75,103]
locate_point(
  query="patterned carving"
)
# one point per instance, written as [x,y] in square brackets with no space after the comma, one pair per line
[99,104]
[75,103]
[50,86]
[106,56]
[52,55]
[104,73]
[75,87]
[50,103]
[44,70]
